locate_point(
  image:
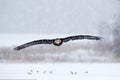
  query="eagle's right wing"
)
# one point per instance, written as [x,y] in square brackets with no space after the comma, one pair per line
[36,42]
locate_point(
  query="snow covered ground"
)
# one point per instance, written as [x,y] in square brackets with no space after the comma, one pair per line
[44,61]
[60,71]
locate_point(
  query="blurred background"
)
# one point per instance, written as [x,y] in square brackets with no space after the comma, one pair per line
[26,20]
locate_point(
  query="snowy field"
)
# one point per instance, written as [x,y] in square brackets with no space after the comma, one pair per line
[60,71]
[72,61]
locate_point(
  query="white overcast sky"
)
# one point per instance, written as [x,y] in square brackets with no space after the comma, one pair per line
[56,16]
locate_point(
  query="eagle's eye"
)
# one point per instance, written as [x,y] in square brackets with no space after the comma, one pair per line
[57,42]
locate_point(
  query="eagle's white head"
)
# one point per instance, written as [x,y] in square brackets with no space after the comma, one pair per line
[57,42]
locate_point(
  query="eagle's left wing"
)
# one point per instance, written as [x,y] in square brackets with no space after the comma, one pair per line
[80,37]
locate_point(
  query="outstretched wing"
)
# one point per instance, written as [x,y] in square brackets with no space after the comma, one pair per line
[36,42]
[48,41]
[80,37]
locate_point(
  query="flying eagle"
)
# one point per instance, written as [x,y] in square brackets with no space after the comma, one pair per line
[57,41]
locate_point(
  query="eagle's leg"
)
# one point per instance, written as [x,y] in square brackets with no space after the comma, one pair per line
[57,42]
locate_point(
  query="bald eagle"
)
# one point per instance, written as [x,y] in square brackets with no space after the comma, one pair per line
[57,41]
